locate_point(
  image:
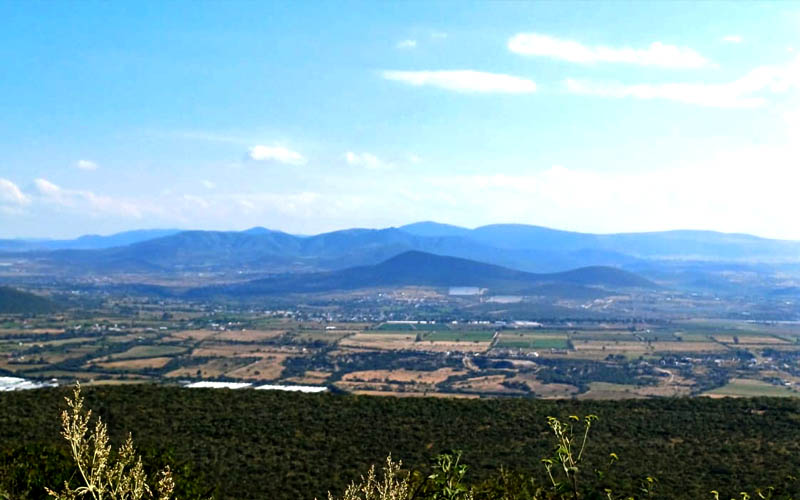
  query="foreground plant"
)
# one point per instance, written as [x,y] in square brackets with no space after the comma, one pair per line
[102,473]
[391,487]
[447,478]
[563,468]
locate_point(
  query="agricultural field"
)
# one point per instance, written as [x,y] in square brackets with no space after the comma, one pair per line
[743,388]
[575,359]
[533,340]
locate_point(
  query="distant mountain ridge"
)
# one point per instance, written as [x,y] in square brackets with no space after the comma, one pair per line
[86,242]
[526,248]
[664,244]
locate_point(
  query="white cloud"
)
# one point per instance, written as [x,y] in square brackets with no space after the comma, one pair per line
[745,189]
[467,81]
[11,195]
[406,44]
[86,165]
[47,188]
[278,154]
[208,184]
[196,200]
[85,201]
[746,92]
[366,160]
[717,96]
[657,54]
[732,39]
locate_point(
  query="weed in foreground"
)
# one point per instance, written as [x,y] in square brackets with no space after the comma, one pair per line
[102,473]
[390,487]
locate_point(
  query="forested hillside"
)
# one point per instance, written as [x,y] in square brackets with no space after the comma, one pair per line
[251,444]
[13,301]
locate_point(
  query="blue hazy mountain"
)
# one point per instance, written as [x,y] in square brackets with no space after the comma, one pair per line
[414,268]
[86,242]
[429,228]
[681,244]
[675,257]
[263,250]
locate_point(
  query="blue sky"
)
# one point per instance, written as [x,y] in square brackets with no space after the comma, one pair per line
[315,116]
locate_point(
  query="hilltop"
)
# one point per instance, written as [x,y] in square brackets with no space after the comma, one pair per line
[414,268]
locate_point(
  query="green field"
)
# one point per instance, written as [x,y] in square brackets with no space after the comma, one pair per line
[744,388]
[461,336]
[657,336]
[605,336]
[534,342]
[694,337]
[149,351]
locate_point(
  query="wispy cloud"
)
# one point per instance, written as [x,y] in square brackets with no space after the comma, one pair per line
[406,44]
[661,197]
[467,81]
[276,154]
[84,201]
[196,200]
[745,92]
[86,165]
[656,54]
[366,160]
[732,39]
[11,195]
[208,184]
[46,188]
[716,96]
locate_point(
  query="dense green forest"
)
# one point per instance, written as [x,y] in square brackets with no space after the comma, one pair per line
[253,444]
[13,301]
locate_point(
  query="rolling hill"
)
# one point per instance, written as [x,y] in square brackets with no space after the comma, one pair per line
[13,301]
[414,268]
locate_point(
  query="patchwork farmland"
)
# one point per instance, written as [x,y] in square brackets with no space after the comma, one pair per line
[588,359]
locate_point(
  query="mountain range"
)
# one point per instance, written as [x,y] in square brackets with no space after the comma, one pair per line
[688,256]
[85,242]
